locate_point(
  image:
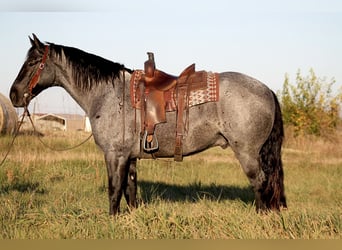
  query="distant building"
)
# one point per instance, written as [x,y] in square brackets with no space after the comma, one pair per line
[56,122]
[50,122]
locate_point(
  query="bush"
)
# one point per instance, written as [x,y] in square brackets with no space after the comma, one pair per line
[310,106]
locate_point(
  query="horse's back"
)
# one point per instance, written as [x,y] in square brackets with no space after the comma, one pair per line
[234,83]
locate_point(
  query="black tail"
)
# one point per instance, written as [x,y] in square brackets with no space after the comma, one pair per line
[272,193]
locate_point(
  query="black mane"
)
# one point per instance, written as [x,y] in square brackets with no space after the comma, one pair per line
[88,69]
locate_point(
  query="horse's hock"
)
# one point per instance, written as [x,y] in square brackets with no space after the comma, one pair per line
[8,116]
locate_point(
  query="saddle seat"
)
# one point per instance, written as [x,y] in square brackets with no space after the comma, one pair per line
[160,81]
[163,81]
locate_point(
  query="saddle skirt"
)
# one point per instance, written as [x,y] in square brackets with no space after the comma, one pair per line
[203,87]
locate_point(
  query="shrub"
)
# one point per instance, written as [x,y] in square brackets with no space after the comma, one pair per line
[310,105]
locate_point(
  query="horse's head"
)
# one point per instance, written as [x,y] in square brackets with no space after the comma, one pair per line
[35,75]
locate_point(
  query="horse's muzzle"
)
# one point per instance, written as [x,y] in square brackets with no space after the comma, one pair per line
[17,99]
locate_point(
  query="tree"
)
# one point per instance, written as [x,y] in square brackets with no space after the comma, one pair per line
[310,106]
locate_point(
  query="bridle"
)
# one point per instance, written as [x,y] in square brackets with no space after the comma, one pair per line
[33,82]
[36,76]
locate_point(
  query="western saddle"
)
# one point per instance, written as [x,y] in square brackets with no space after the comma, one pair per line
[154,92]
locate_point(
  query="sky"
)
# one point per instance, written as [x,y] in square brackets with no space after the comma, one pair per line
[265,39]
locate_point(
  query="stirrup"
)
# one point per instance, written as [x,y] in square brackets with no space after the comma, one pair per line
[150,148]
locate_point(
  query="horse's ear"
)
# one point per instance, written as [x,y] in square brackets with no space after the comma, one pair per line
[35,42]
[31,41]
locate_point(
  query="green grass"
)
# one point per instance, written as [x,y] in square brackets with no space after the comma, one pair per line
[63,195]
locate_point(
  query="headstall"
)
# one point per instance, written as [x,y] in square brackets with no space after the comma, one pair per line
[36,76]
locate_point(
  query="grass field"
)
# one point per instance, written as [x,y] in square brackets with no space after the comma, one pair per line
[57,195]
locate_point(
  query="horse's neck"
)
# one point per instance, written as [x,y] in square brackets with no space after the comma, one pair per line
[99,95]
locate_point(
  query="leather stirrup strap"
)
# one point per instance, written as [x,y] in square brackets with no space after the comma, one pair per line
[182,91]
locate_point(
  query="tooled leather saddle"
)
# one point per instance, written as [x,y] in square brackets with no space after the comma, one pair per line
[155,92]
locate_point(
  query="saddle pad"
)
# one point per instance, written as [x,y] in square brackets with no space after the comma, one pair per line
[203,87]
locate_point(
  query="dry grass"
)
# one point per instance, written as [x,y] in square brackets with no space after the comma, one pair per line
[46,194]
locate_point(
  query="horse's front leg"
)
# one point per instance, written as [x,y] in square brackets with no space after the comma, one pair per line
[130,186]
[117,174]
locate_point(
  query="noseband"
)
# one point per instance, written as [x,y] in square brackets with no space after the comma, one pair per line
[36,76]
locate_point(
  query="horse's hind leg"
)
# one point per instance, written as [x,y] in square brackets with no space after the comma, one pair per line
[130,186]
[251,167]
[265,173]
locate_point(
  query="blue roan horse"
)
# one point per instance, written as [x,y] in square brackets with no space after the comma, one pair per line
[247,118]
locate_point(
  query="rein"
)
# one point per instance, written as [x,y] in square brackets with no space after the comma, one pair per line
[52,148]
[26,112]
[33,82]
[13,139]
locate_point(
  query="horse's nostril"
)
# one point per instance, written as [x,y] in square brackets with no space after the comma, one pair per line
[14,96]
